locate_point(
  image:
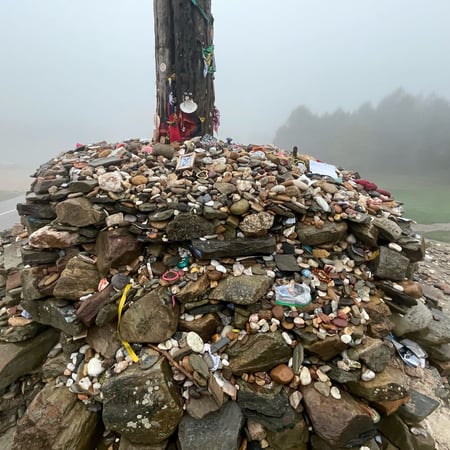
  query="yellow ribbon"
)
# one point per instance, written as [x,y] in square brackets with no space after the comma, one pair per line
[127,346]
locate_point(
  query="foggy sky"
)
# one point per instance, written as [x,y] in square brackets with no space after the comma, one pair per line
[83,71]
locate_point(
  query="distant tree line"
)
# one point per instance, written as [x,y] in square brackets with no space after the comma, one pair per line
[402,134]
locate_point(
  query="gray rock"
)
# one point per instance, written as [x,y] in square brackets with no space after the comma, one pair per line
[37,210]
[41,185]
[151,318]
[343,376]
[399,434]
[108,161]
[205,326]
[419,407]
[186,227]
[30,283]
[78,212]
[417,319]
[50,312]
[367,233]
[20,334]
[80,277]
[7,438]
[270,407]
[212,213]
[12,255]
[56,419]
[127,445]
[32,256]
[104,340]
[292,438]
[388,228]
[287,263]
[240,207]
[161,215]
[438,331]
[200,407]
[342,423]
[84,186]
[225,188]
[243,290]
[219,430]
[330,232]
[145,407]
[389,385]
[261,352]
[212,248]
[115,249]
[439,352]
[19,359]
[165,150]
[413,247]
[374,353]
[390,265]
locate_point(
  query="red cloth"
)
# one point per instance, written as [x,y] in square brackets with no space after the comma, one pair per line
[183,126]
[174,128]
[367,185]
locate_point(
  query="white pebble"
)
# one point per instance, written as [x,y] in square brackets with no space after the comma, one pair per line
[394,246]
[221,268]
[194,342]
[346,338]
[305,376]
[84,349]
[95,367]
[335,393]
[368,375]
[85,383]
[286,338]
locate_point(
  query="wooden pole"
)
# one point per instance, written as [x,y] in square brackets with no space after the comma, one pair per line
[183,31]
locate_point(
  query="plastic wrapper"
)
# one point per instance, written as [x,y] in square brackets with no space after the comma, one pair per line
[292,294]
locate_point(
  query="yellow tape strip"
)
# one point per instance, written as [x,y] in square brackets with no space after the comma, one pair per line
[127,346]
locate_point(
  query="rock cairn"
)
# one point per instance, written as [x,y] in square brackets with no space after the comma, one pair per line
[212,296]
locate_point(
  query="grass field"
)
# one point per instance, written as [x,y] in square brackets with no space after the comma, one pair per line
[424,199]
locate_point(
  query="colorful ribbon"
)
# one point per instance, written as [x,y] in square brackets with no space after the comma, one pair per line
[127,346]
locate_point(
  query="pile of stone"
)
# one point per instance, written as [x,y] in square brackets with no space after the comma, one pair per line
[211,295]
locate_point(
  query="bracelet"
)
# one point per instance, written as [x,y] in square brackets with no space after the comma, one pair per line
[170,275]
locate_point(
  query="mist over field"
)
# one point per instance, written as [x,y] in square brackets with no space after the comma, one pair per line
[84,71]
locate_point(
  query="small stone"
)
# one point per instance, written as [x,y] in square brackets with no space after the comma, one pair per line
[85,383]
[395,246]
[287,338]
[368,375]
[295,399]
[322,388]
[282,374]
[95,367]
[335,393]
[346,338]
[194,342]
[305,376]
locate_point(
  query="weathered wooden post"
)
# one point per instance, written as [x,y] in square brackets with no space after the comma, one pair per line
[184,55]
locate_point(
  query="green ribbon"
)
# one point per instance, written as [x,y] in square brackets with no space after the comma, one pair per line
[202,11]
